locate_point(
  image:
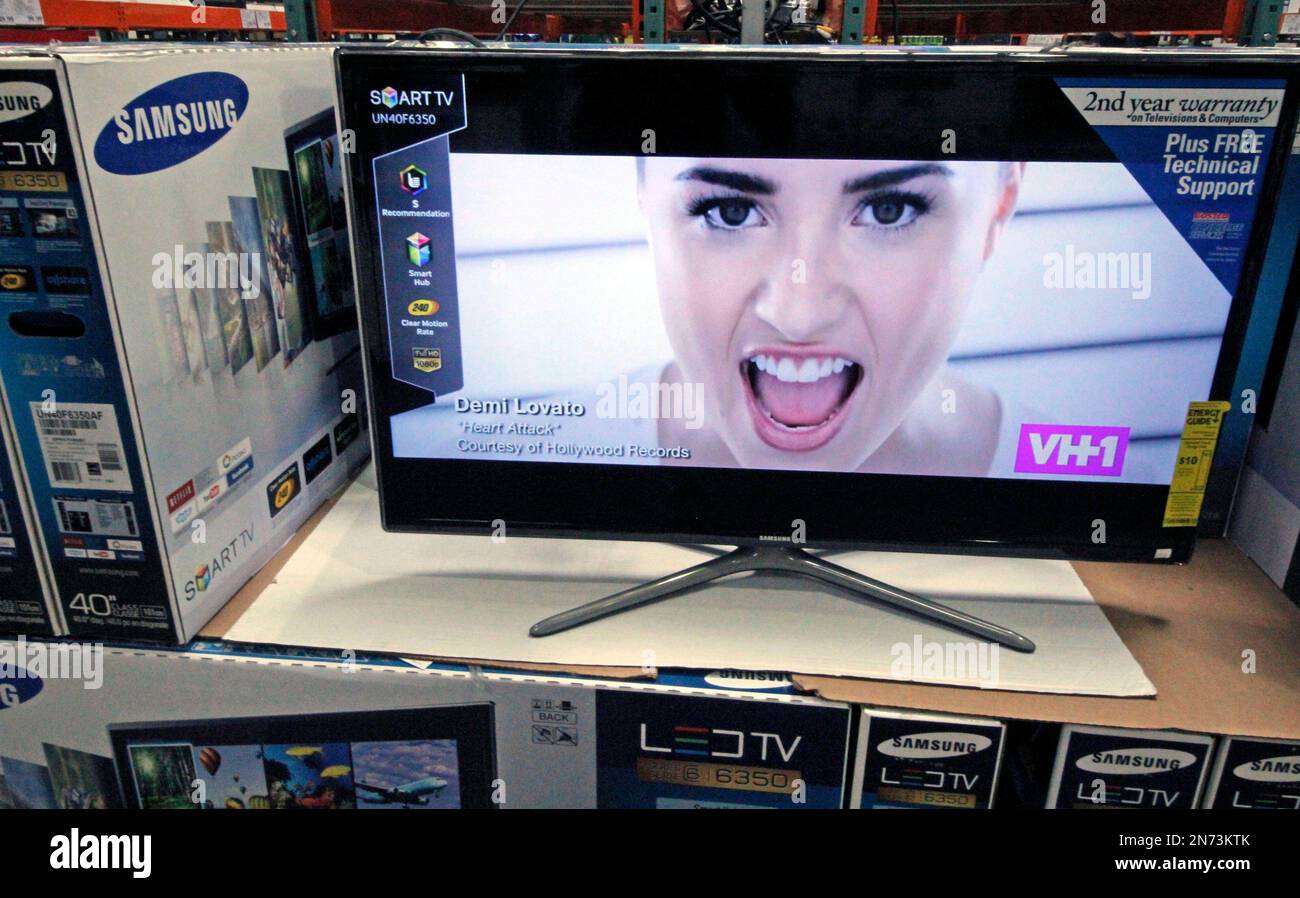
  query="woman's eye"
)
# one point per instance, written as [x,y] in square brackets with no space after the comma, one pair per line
[888,212]
[732,214]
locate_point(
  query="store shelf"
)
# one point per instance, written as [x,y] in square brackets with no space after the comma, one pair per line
[338,17]
[150,16]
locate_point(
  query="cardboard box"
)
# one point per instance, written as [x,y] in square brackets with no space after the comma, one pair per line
[659,749]
[464,596]
[26,602]
[1255,774]
[1266,514]
[910,759]
[1196,629]
[1237,450]
[183,372]
[230,729]
[1115,768]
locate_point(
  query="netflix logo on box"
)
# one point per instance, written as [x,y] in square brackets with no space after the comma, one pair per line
[181,497]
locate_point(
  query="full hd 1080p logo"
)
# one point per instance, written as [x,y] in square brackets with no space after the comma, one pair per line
[171,123]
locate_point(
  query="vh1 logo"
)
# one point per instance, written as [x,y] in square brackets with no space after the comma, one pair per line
[1071,449]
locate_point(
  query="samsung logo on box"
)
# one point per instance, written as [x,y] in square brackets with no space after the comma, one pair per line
[934,745]
[1136,760]
[749,680]
[17,686]
[19,99]
[1270,770]
[171,123]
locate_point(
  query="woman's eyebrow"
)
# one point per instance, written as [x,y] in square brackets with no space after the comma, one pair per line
[890,177]
[722,177]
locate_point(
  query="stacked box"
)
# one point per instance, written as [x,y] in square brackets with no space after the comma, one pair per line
[94,728]
[1255,774]
[181,366]
[915,759]
[1106,767]
[657,748]
[26,604]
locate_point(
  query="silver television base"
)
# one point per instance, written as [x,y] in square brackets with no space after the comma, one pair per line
[780,560]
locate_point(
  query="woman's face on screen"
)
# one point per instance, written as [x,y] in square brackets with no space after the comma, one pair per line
[815,299]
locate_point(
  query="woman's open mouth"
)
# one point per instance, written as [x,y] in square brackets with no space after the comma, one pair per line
[797,399]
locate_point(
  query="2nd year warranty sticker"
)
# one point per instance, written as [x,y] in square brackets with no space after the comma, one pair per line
[1192,468]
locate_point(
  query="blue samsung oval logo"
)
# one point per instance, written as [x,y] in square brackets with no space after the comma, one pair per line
[18,686]
[170,123]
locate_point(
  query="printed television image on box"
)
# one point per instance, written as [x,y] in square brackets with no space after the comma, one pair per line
[425,758]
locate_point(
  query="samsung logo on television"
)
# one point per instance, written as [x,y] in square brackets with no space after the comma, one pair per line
[1136,760]
[19,99]
[1270,770]
[170,123]
[934,745]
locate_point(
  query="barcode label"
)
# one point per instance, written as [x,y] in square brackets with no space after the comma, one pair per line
[82,445]
[65,471]
[109,458]
[65,427]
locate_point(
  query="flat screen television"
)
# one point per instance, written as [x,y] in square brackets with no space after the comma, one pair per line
[811,299]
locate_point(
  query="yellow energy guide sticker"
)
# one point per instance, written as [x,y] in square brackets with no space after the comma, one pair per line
[1192,469]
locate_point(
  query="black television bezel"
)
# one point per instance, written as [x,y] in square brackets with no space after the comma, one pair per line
[982,516]
[472,726]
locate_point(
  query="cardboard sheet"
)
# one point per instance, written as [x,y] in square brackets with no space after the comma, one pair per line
[349,585]
[1219,640]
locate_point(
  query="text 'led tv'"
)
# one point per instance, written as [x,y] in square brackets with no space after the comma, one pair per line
[956,302]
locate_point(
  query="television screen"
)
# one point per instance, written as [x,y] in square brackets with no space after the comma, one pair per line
[956,301]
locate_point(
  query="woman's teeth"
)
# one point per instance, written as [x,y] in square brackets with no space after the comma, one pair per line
[808,371]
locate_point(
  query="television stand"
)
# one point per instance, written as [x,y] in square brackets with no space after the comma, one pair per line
[780,559]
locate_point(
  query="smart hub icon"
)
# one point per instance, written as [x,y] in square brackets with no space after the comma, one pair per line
[417,249]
